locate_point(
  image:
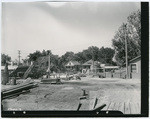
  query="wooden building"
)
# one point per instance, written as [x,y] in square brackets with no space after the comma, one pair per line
[91,66]
[73,66]
[134,68]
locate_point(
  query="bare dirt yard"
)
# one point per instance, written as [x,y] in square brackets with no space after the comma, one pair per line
[117,94]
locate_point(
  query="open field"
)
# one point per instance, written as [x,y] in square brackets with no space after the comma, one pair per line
[117,94]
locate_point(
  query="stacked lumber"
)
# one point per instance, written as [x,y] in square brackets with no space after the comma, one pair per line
[17,90]
[51,81]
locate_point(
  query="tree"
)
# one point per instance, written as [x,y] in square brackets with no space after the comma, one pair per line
[133,36]
[41,67]
[93,52]
[5,58]
[5,74]
[79,57]
[134,24]
[34,56]
[88,54]
[67,57]
[58,63]
[106,55]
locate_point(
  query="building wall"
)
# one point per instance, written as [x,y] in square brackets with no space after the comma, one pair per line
[136,74]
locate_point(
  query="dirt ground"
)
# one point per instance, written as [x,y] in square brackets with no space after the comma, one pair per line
[66,96]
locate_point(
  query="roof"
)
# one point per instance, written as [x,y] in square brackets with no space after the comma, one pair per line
[89,63]
[73,63]
[10,67]
[135,59]
[108,64]
[19,69]
[111,67]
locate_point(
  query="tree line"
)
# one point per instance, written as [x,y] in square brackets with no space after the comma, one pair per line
[103,55]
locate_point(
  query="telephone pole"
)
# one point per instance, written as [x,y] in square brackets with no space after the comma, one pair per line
[19,52]
[92,61]
[49,63]
[49,66]
[126,51]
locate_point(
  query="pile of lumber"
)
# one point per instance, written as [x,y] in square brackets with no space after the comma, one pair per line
[17,90]
[51,81]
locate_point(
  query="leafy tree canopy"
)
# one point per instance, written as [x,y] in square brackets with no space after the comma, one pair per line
[104,55]
[132,31]
[5,58]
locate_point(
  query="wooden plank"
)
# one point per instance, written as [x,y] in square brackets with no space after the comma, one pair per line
[100,103]
[16,87]
[92,96]
[130,107]
[127,108]
[91,104]
[111,106]
[138,108]
[121,107]
[134,109]
[85,105]
[107,105]
[95,103]
[79,106]
[116,106]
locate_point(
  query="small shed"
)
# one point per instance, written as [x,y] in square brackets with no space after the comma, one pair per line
[134,68]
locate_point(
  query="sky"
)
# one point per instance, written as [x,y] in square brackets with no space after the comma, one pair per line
[60,26]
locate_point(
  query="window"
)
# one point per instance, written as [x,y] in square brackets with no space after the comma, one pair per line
[133,68]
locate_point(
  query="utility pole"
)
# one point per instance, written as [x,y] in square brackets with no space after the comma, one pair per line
[48,71]
[126,51]
[92,61]
[19,52]
[49,61]
[93,64]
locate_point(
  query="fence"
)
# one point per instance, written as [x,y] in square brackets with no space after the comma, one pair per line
[121,74]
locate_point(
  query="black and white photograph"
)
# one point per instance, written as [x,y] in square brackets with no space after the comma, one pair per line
[71,56]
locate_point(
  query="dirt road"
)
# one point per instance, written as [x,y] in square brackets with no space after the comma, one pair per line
[116,92]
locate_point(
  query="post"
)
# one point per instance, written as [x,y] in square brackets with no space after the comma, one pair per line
[104,72]
[13,81]
[19,56]
[79,106]
[49,65]
[93,66]
[92,62]
[126,52]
